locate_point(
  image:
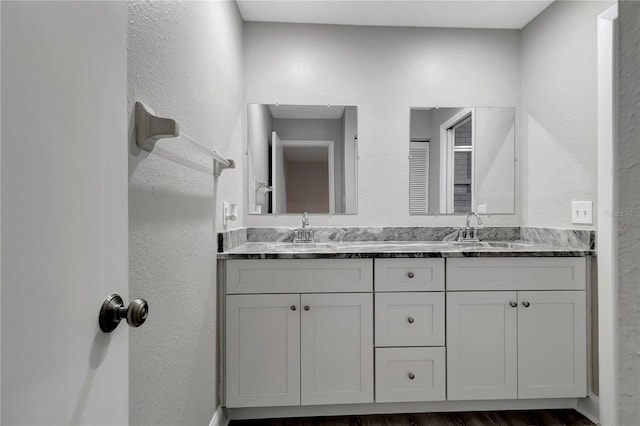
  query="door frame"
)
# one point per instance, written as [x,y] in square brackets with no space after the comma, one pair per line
[607,222]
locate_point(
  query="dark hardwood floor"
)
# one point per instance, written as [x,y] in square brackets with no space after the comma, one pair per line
[511,418]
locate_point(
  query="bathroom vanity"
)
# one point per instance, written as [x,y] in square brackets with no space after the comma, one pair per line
[398,327]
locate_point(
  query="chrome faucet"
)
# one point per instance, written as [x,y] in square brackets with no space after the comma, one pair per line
[468,233]
[304,234]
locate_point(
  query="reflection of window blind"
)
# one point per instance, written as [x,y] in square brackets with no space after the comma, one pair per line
[418,177]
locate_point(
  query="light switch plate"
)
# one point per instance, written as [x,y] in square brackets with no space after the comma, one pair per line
[582,212]
[482,209]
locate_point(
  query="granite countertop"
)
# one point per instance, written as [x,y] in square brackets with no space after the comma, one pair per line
[400,249]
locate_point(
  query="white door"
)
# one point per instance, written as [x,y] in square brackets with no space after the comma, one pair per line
[482,345]
[64,211]
[552,345]
[336,348]
[263,350]
[278,178]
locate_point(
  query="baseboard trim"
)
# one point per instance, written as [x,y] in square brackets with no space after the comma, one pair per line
[590,408]
[392,408]
[219,418]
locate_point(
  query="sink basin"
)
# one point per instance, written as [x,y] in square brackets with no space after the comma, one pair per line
[493,244]
[301,246]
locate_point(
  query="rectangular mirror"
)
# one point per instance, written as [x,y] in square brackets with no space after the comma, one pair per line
[302,158]
[462,160]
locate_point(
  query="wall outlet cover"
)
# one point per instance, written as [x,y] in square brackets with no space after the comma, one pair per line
[582,212]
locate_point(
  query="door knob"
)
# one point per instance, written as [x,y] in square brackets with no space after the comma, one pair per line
[113,310]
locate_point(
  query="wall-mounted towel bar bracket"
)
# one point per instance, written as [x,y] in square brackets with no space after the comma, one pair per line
[150,128]
[219,166]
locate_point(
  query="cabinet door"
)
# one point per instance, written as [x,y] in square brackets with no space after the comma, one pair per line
[336,348]
[481,345]
[552,346]
[262,350]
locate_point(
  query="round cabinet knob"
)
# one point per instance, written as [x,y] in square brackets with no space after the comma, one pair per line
[293,307]
[410,320]
[307,307]
[113,311]
[513,304]
[137,312]
[411,275]
[525,304]
[411,376]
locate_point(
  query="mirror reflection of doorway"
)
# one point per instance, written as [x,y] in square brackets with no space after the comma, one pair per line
[309,170]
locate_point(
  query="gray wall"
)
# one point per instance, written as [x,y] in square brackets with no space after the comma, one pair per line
[629,211]
[384,71]
[558,117]
[185,61]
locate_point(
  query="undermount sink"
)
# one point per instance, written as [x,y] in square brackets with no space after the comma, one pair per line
[494,244]
[301,246]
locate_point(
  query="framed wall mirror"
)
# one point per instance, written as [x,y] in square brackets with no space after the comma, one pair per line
[302,158]
[462,160]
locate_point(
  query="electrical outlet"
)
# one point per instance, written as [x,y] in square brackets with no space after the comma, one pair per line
[582,212]
[482,209]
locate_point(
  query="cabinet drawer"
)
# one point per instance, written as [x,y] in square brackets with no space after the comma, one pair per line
[410,374]
[299,276]
[409,319]
[409,274]
[516,273]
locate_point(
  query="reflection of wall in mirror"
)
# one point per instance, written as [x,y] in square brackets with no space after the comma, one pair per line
[350,131]
[495,167]
[259,127]
[307,187]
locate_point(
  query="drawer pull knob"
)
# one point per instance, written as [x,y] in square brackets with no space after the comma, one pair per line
[307,307]
[513,304]
[410,320]
[293,307]
[412,376]
[525,304]
[410,275]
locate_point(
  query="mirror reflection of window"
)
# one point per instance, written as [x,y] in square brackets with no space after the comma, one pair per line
[461,193]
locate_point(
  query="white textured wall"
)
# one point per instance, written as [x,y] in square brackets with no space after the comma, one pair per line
[629,208]
[185,61]
[558,116]
[384,71]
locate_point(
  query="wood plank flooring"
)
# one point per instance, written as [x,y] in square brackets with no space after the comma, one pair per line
[496,418]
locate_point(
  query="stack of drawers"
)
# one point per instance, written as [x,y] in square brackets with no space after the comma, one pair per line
[409,330]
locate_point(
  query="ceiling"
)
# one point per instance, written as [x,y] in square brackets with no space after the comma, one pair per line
[501,14]
[301,112]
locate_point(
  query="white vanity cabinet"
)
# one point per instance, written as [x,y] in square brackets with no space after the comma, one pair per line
[529,342]
[311,347]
